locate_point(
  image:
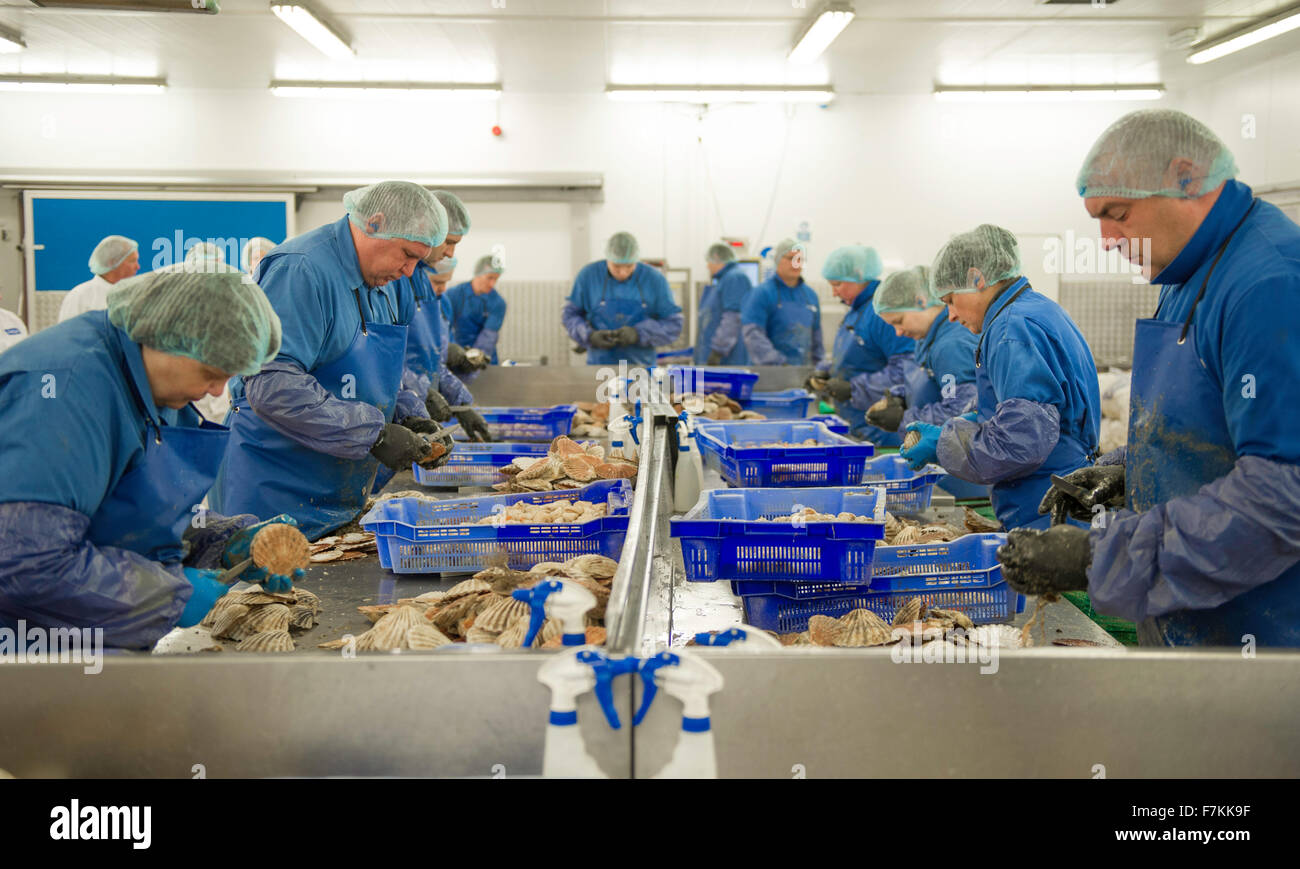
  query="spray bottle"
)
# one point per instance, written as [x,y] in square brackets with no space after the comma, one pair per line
[565,754]
[741,638]
[566,601]
[691,680]
[688,480]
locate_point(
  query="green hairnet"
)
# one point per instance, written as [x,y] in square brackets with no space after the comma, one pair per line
[1133,158]
[110,253]
[907,290]
[254,245]
[457,213]
[988,249]
[784,246]
[221,319]
[720,254]
[854,263]
[488,264]
[622,249]
[397,209]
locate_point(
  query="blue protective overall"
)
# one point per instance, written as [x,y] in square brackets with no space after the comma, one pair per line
[869,354]
[720,306]
[599,302]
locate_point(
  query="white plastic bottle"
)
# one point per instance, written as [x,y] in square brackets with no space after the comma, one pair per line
[688,481]
[691,681]
[565,753]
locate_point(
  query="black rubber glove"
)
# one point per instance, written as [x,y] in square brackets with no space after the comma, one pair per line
[715,358]
[816,381]
[603,339]
[1105,485]
[626,336]
[1051,561]
[420,425]
[475,427]
[890,417]
[398,447]
[838,390]
[456,361]
[437,406]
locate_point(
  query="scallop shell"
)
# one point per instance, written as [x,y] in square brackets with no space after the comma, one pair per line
[615,471]
[795,639]
[267,641]
[823,630]
[256,597]
[425,636]
[513,636]
[547,568]
[909,534]
[469,586]
[376,612]
[280,548]
[333,644]
[331,540]
[910,611]
[404,617]
[385,636]
[229,617]
[475,634]
[303,597]
[576,469]
[357,537]
[327,555]
[501,613]
[954,618]
[272,617]
[913,438]
[223,602]
[534,485]
[551,628]
[594,566]
[431,597]
[302,617]
[564,447]
[594,449]
[448,618]
[862,627]
[546,469]
[999,636]
[567,484]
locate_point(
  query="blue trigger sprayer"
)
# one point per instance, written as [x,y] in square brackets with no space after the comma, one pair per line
[566,601]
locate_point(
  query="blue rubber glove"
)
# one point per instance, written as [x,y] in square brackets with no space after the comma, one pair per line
[971,416]
[926,450]
[206,592]
[238,548]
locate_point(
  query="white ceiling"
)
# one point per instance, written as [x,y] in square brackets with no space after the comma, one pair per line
[561,46]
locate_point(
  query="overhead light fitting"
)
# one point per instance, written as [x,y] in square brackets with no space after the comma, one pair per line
[1047,93]
[206,7]
[10,41]
[828,23]
[89,84]
[719,93]
[312,28]
[421,90]
[1252,34]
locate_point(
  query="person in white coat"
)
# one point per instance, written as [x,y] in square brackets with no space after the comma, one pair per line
[114,258]
[12,330]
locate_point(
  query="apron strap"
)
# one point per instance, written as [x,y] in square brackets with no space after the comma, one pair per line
[356,294]
[1187,324]
[984,330]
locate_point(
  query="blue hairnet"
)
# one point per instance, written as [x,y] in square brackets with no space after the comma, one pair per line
[457,213]
[854,263]
[220,319]
[488,264]
[1133,158]
[720,254]
[110,253]
[784,246]
[988,249]
[397,209]
[254,245]
[904,291]
[622,249]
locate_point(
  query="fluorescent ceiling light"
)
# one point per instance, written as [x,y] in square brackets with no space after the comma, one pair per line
[1048,93]
[829,22]
[1253,34]
[10,41]
[89,84]
[311,28]
[371,89]
[720,93]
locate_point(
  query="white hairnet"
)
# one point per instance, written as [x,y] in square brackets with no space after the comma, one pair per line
[622,249]
[720,254]
[397,209]
[110,253]
[987,249]
[258,247]
[1134,158]
[457,213]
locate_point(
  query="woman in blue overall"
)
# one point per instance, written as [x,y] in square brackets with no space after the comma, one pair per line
[868,358]
[309,432]
[104,461]
[621,309]
[1206,547]
[782,319]
[478,311]
[717,341]
[1039,399]
[942,383]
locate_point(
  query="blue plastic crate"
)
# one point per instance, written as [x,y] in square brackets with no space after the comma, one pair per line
[963,490]
[786,404]
[722,537]
[832,421]
[523,423]
[476,464]
[834,461]
[908,491]
[735,382]
[416,535]
[961,575]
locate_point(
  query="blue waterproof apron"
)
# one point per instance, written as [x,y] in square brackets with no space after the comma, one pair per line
[846,339]
[266,473]
[1178,441]
[711,312]
[1016,501]
[615,314]
[922,389]
[152,504]
[795,320]
[423,345]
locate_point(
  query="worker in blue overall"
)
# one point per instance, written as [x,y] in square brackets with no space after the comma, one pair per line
[1039,400]
[621,309]
[717,341]
[1205,548]
[868,358]
[478,310]
[309,432]
[104,461]
[782,319]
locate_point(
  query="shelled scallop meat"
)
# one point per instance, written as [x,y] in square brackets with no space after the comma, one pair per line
[566,465]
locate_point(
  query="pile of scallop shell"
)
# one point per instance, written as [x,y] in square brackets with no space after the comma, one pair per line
[713,405]
[262,621]
[915,623]
[808,514]
[566,465]
[482,610]
[901,531]
[345,547]
[563,511]
[590,420]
